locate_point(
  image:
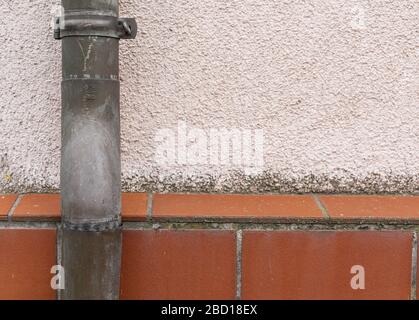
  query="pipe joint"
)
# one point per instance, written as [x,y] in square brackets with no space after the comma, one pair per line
[93,227]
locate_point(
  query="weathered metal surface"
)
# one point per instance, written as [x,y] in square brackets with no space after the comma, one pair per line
[90,151]
[92,264]
[95,25]
[90,156]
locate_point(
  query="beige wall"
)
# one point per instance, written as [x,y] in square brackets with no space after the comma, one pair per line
[332,87]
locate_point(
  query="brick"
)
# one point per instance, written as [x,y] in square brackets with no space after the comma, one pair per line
[364,206]
[317,265]
[6,203]
[198,264]
[234,206]
[134,206]
[38,207]
[26,260]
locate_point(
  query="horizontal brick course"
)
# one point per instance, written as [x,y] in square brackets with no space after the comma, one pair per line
[167,264]
[200,207]
[202,264]
[317,265]
[26,258]
[234,206]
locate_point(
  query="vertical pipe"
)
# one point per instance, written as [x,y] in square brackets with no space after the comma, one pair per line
[90,156]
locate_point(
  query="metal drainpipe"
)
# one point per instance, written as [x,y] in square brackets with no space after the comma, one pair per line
[90,157]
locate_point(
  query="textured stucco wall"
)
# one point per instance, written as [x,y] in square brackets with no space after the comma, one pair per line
[333,84]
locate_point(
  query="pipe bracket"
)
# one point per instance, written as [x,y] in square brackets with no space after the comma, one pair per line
[94,25]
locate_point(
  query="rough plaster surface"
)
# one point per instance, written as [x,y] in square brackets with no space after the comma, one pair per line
[332,83]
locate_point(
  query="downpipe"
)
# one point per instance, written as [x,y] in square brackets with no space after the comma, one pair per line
[90,231]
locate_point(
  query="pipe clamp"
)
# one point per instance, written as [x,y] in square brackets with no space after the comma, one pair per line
[94,25]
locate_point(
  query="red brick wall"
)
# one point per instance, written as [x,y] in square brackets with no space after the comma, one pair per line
[229,246]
